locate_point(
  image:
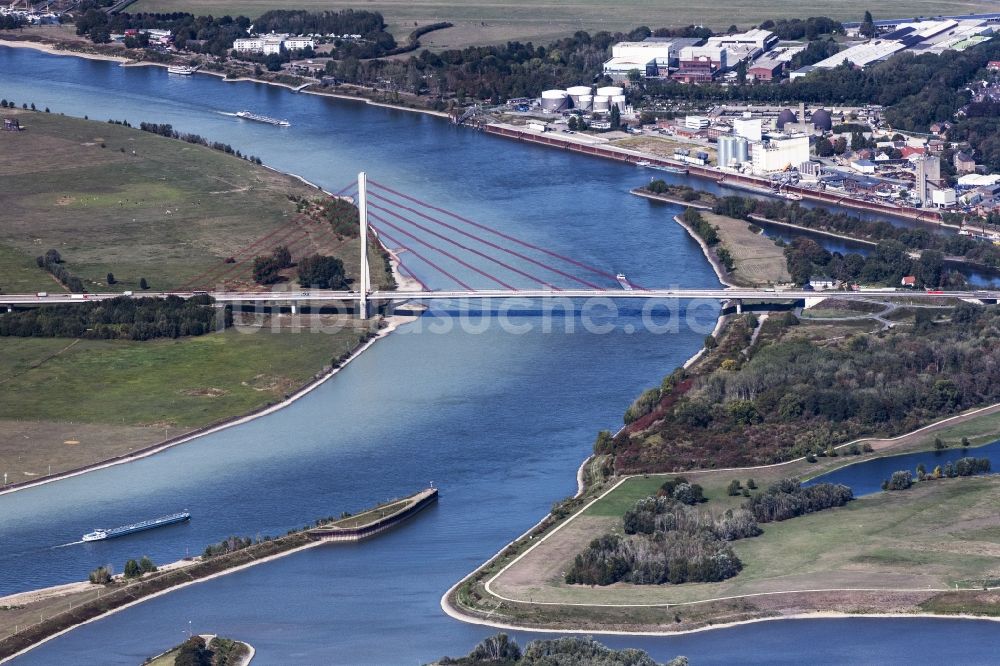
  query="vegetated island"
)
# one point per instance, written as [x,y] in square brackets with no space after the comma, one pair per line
[698,513]
[503,650]
[29,618]
[205,650]
[735,225]
[101,206]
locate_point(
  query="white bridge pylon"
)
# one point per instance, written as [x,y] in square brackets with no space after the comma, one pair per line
[364,277]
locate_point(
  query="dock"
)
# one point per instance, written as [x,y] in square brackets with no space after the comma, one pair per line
[374,521]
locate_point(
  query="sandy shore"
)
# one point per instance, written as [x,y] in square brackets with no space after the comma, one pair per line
[54,50]
[707,251]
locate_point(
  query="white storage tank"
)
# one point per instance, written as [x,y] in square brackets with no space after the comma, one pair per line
[577,92]
[620,101]
[555,100]
[585,102]
[611,91]
[602,103]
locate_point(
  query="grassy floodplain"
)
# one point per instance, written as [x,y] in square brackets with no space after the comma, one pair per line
[489,22]
[115,199]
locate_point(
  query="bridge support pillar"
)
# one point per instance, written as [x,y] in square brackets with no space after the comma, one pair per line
[739,306]
[812,301]
[294,308]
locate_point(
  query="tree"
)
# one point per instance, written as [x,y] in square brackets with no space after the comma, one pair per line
[193,652]
[282,256]
[111,278]
[143,284]
[132,569]
[147,565]
[734,488]
[101,575]
[939,444]
[573,124]
[321,272]
[824,147]
[741,72]
[616,117]
[867,28]
[840,146]
[751,484]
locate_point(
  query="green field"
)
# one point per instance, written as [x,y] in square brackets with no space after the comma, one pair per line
[117,200]
[487,21]
[66,403]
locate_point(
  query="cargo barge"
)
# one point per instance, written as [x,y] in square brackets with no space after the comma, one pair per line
[132,528]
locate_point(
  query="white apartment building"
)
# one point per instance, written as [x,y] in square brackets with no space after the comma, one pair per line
[268,44]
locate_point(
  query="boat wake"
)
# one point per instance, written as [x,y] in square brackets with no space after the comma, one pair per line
[64,545]
[226,113]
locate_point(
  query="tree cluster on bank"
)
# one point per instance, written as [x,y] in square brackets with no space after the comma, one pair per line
[167,130]
[966,466]
[503,650]
[666,541]
[823,219]
[788,498]
[122,318]
[267,268]
[788,397]
[11,22]
[218,652]
[52,262]
[228,545]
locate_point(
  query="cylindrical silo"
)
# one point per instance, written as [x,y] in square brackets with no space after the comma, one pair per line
[585,102]
[620,101]
[727,150]
[555,100]
[602,103]
[611,91]
[576,92]
[742,152]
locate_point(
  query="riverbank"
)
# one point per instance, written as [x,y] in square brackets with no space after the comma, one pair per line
[123,594]
[720,270]
[882,567]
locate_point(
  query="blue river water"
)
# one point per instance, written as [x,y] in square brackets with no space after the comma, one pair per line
[499,420]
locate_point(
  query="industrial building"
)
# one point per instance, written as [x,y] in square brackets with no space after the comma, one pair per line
[928,176]
[733,151]
[748,128]
[780,153]
[934,36]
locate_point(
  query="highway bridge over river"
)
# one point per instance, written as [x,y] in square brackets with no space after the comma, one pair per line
[460,250]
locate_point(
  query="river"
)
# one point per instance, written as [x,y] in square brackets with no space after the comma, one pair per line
[498,420]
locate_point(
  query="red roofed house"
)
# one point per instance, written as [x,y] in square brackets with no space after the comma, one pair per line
[907,151]
[909,281]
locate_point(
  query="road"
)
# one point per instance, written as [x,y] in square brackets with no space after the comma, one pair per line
[486,295]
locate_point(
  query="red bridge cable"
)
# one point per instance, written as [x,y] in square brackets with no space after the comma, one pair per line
[457,244]
[489,243]
[494,231]
[423,259]
[444,252]
[234,266]
[201,276]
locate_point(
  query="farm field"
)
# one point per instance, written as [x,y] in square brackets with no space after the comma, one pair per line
[490,22]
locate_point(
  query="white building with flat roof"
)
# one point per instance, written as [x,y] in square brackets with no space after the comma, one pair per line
[780,153]
[661,52]
[748,128]
[757,39]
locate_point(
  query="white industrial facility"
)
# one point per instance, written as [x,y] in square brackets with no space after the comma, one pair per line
[779,153]
[584,98]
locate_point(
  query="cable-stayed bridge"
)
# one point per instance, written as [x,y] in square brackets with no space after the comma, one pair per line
[470,260]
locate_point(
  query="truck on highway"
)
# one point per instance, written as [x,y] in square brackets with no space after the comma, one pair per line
[42,294]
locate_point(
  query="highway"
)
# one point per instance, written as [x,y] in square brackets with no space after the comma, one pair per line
[320,296]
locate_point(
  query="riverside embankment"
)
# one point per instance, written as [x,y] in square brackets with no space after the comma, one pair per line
[81,607]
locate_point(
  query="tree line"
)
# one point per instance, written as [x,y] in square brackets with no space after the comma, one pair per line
[788,499]
[167,130]
[52,262]
[122,318]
